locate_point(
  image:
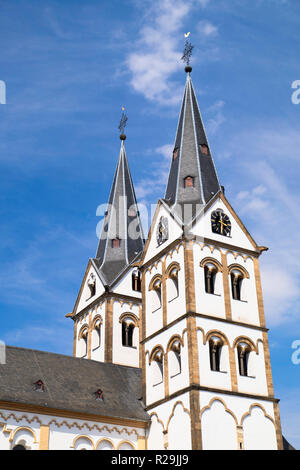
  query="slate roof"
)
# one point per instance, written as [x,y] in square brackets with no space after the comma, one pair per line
[111,261]
[191,160]
[70,384]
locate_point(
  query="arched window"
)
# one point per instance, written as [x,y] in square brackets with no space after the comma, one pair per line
[175,153]
[211,268]
[172,282]
[210,272]
[116,243]
[204,149]
[243,350]
[174,358]
[215,349]
[83,341]
[236,284]
[127,332]
[156,362]
[155,288]
[237,276]
[96,334]
[136,281]
[188,182]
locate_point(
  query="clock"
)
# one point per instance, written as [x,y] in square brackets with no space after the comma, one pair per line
[220,223]
[162,233]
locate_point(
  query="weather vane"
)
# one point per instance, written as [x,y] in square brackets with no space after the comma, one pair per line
[187,50]
[123,121]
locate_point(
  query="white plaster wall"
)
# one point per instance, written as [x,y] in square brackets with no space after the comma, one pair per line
[103,436]
[122,354]
[85,298]
[63,432]
[177,306]
[124,286]
[175,232]
[203,228]
[218,428]
[153,319]
[239,407]
[174,418]
[208,377]
[257,383]
[97,353]
[179,430]
[259,431]
[178,382]
[246,309]
[208,304]
[16,425]
[155,436]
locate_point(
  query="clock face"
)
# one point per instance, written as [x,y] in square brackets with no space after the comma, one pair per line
[220,223]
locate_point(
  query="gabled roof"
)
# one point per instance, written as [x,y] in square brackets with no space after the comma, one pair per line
[70,384]
[191,158]
[122,222]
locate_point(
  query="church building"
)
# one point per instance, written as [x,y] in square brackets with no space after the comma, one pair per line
[170,343]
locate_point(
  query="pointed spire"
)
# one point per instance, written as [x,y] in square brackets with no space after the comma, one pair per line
[193,178]
[122,239]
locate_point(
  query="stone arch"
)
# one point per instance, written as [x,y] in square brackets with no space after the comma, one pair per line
[130,315]
[171,266]
[105,444]
[219,426]
[13,434]
[259,429]
[213,261]
[84,328]
[157,277]
[155,350]
[125,444]
[173,339]
[156,433]
[245,339]
[84,438]
[219,333]
[248,413]
[179,420]
[238,267]
[96,319]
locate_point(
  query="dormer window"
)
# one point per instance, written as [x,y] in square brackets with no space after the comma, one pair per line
[204,149]
[131,212]
[188,182]
[98,394]
[39,386]
[116,243]
[175,153]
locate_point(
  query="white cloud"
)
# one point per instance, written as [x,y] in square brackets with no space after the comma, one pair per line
[215,117]
[206,28]
[155,185]
[270,208]
[159,49]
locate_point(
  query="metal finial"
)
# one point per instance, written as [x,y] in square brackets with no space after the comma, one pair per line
[122,124]
[187,50]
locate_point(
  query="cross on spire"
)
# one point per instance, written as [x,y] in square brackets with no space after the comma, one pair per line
[123,122]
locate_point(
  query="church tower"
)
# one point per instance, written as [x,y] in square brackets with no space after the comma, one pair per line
[107,312]
[207,381]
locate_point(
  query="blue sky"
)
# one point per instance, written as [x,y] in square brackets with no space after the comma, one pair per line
[69,66]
